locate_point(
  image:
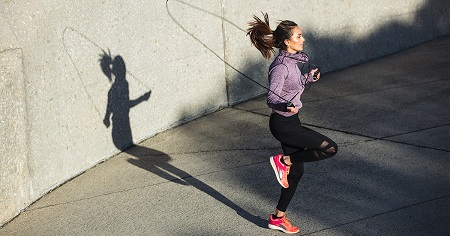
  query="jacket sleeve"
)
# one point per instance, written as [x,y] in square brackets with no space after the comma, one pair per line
[277,77]
[307,78]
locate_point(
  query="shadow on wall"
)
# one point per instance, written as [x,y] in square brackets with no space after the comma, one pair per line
[154,161]
[119,103]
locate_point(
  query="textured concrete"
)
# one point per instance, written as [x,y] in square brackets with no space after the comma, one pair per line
[14,185]
[182,60]
[211,176]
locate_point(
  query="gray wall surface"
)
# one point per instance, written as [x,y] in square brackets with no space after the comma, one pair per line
[182,59]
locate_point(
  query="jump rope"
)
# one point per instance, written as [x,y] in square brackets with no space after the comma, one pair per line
[289,102]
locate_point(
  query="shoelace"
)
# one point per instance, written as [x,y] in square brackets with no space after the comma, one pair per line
[287,221]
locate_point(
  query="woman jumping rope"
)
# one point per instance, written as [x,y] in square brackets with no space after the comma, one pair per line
[286,83]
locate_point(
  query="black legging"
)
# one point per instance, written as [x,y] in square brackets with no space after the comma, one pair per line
[302,145]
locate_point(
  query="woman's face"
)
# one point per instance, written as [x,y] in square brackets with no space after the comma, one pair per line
[295,43]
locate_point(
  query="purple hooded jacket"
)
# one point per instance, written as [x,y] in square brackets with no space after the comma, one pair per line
[286,81]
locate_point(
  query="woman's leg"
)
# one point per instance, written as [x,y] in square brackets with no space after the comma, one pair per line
[300,144]
[295,174]
[308,146]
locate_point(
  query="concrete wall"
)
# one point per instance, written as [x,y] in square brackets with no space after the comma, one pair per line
[184,54]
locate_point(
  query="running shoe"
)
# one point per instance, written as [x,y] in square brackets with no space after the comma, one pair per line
[281,170]
[282,224]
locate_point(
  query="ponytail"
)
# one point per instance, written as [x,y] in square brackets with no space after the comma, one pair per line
[264,39]
[261,36]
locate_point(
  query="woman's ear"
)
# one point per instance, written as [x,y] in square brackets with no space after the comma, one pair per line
[287,42]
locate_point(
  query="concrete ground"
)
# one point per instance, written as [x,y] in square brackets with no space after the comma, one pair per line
[390,118]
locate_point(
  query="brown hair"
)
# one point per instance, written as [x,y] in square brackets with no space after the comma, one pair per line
[264,39]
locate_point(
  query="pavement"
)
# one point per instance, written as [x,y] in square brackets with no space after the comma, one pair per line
[390,118]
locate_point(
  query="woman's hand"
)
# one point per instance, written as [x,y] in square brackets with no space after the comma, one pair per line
[292,110]
[312,74]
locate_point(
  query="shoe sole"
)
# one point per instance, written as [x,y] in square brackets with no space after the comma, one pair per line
[282,229]
[276,172]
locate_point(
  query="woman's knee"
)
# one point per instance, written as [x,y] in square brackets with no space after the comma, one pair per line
[334,148]
[329,148]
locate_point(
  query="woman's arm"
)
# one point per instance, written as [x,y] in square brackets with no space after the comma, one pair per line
[277,77]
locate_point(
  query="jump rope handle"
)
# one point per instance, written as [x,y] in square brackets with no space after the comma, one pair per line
[316,73]
[290,104]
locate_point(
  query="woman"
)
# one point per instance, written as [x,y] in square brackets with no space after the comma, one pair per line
[287,83]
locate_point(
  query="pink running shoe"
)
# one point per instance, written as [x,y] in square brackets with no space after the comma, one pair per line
[281,170]
[282,224]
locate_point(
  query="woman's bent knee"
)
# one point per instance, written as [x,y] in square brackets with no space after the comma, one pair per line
[334,149]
